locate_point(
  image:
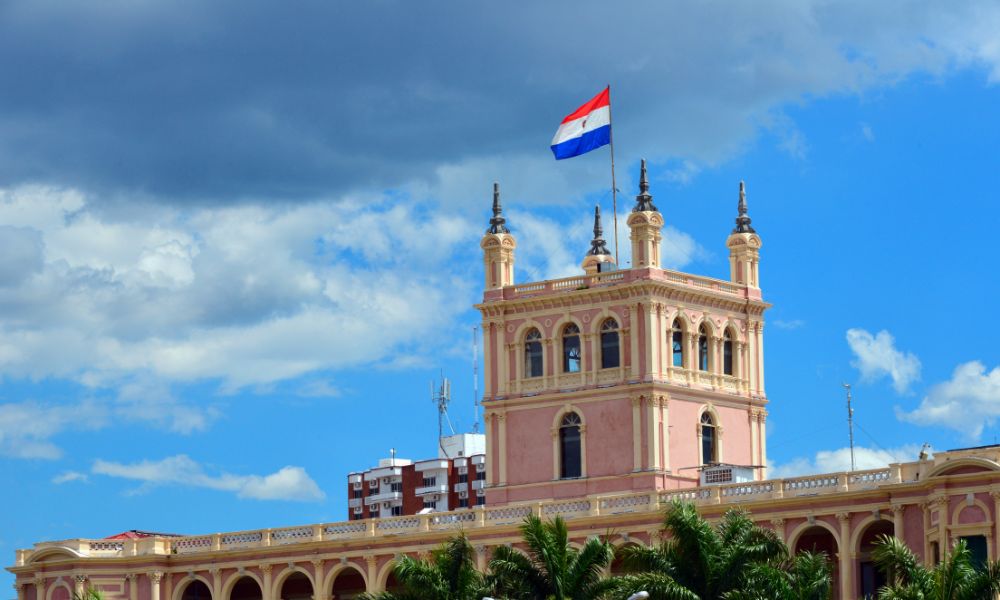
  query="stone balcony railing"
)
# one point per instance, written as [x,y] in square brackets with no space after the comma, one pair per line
[478,517]
[568,284]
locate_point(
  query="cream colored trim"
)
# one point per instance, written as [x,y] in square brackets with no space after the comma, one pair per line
[231,581]
[59,582]
[284,574]
[653,445]
[861,527]
[793,537]
[556,425]
[383,575]
[637,434]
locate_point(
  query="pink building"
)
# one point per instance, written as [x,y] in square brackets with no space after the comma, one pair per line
[608,395]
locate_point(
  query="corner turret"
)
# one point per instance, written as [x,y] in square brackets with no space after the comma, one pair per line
[744,247]
[598,259]
[645,222]
[498,248]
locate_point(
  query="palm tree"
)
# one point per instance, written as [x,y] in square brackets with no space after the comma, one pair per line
[91,593]
[552,570]
[806,576]
[450,574]
[954,578]
[699,561]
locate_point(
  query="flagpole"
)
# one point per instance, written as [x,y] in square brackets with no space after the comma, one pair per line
[614,187]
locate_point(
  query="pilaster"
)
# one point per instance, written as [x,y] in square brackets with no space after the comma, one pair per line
[154,584]
[846,557]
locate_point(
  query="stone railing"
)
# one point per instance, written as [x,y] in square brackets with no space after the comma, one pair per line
[568,284]
[480,516]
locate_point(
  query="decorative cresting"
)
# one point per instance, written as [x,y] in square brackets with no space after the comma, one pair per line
[744,247]
[645,223]
[598,259]
[498,248]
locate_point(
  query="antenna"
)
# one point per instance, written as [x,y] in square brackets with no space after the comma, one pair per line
[475,380]
[850,423]
[442,397]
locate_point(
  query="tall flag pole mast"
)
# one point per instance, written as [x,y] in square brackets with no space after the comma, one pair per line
[614,187]
[588,128]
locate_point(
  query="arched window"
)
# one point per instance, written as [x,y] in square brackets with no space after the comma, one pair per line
[709,447]
[571,349]
[703,348]
[569,447]
[533,354]
[677,340]
[610,355]
[727,353]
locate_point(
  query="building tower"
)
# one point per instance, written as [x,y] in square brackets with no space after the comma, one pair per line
[498,248]
[645,222]
[598,259]
[744,247]
[616,381]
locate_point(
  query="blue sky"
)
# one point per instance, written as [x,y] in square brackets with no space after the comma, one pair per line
[197,221]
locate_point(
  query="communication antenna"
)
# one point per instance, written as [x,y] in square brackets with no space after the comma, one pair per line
[441,397]
[850,422]
[475,380]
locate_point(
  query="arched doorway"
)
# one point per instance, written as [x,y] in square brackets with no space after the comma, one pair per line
[617,566]
[870,579]
[246,588]
[196,590]
[392,584]
[348,584]
[817,538]
[296,587]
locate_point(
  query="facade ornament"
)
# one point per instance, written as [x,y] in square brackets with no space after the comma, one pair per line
[265,568]
[40,580]
[497,223]
[79,578]
[778,523]
[644,201]
[843,517]
[598,247]
[743,219]
[317,562]
[156,576]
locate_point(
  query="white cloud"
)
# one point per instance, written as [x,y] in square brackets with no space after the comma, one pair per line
[876,356]
[70,476]
[26,428]
[867,133]
[288,483]
[788,324]
[967,402]
[833,461]
[246,295]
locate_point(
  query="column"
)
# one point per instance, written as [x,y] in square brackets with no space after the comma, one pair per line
[133,592]
[267,592]
[762,436]
[649,320]
[79,584]
[486,328]
[664,433]
[996,518]
[636,433]
[779,528]
[319,589]
[40,588]
[754,441]
[760,356]
[653,445]
[846,556]
[154,585]
[371,561]
[216,574]
[898,526]
[632,329]
[19,588]
[502,419]
[481,559]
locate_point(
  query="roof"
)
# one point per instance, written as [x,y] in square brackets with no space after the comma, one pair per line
[134,534]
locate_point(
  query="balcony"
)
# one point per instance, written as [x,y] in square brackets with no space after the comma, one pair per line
[478,484]
[432,465]
[354,502]
[384,497]
[440,488]
[354,478]
[461,487]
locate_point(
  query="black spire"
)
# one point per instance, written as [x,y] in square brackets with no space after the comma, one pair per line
[644,201]
[497,222]
[743,220]
[597,245]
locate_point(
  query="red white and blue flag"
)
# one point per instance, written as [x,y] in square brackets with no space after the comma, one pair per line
[585,129]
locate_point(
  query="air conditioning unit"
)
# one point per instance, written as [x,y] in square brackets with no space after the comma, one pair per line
[357,510]
[356,485]
[386,505]
[463,494]
[373,483]
[385,480]
[480,492]
[463,470]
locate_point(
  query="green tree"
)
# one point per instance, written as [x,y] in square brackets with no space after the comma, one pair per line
[806,576]
[699,561]
[449,574]
[91,593]
[552,570]
[954,578]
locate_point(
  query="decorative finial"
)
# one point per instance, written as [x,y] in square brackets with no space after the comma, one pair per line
[497,222]
[644,201]
[597,245]
[743,219]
